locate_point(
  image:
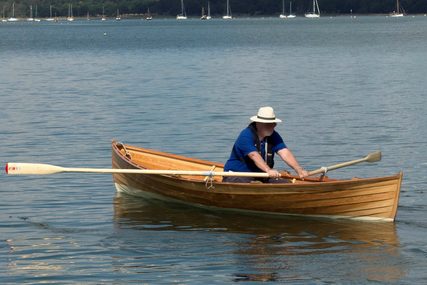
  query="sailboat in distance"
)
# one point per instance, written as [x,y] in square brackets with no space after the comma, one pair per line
[208,17]
[315,12]
[290,16]
[50,19]
[283,15]
[204,16]
[103,18]
[70,17]
[183,15]
[30,19]
[148,16]
[228,15]
[36,18]
[399,11]
[13,19]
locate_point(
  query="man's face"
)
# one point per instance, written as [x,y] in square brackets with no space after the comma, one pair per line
[266,129]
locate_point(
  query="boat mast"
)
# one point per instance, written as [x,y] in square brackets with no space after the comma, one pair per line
[182,8]
[228,16]
[228,7]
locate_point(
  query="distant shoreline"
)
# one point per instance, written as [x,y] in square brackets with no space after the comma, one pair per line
[215,17]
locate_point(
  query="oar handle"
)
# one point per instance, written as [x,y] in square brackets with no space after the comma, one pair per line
[372,157]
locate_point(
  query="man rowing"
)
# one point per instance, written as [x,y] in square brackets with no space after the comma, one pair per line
[255,148]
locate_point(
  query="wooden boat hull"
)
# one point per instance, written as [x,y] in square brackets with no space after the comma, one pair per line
[365,199]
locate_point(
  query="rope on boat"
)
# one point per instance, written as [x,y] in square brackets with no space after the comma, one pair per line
[209,183]
[127,154]
[324,169]
[209,179]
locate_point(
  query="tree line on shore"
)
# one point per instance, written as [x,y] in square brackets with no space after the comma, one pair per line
[170,8]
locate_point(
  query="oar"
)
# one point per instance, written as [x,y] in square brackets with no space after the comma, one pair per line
[372,157]
[44,169]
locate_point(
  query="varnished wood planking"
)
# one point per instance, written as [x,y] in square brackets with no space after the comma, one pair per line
[373,197]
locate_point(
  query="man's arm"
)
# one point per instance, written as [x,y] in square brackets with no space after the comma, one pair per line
[287,156]
[261,164]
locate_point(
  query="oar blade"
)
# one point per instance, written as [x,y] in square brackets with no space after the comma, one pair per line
[374,156]
[13,168]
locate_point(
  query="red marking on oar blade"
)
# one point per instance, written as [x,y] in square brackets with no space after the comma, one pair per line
[7,168]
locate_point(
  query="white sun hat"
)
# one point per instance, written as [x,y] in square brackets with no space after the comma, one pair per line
[265,115]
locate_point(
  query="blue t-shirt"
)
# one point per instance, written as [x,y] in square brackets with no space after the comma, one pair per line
[245,144]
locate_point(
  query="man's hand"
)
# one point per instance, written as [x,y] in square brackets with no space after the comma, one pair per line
[273,173]
[302,172]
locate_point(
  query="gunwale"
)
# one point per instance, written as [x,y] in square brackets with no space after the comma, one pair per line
[357,198]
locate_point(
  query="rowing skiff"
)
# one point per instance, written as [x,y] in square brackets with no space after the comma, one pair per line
[357,198]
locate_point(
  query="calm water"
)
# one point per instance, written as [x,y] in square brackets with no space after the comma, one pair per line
[343,87]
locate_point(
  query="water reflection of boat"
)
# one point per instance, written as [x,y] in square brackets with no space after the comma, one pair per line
[168,215]
[371,248]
